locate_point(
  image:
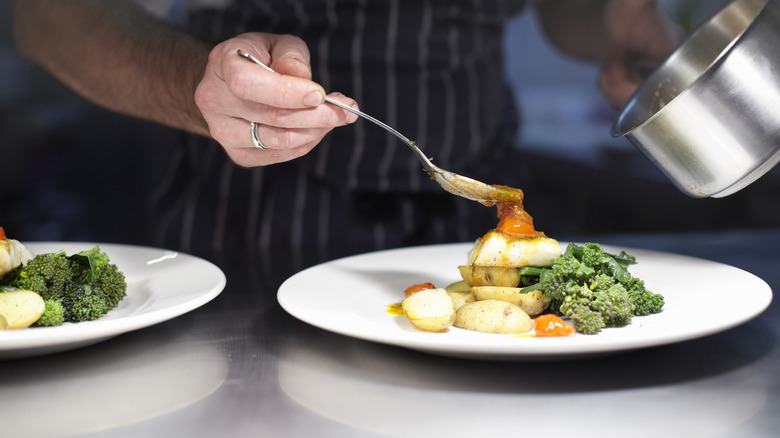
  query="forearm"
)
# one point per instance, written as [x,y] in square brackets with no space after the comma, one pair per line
[116,55]
[576,27]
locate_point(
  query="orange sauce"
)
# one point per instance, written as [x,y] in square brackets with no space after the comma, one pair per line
[513,220]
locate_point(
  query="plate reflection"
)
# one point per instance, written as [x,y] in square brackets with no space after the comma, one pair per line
[695,388]
[124,381]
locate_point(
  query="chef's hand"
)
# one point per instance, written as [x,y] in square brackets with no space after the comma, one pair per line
[287,106]
[640,36]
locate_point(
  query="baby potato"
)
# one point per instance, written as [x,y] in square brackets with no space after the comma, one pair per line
[429,309]
[476,275]
[531,302]
[493,316]
[460,293]
[21,308]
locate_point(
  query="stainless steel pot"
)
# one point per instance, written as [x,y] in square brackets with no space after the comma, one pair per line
[709,116]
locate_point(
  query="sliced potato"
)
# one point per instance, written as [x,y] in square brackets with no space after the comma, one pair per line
[493,316]
[21,308]
[458,286]
[531,302]
[476,275]
[430,309]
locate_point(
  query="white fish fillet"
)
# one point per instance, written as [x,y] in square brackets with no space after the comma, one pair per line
[12,255]
[496,249]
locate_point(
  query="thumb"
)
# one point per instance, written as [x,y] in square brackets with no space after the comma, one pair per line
[290,56]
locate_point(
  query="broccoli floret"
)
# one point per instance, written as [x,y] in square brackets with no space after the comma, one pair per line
[110,283]
[577,308]
[593,255]
[81,303]
[45,274]
[53,314]
[614,305]
[98,287]
[564,276]
[86,284]
[590,311]
[565,266]
[593,288]
[602,282]
[104,279]
[648,303]
[645,302]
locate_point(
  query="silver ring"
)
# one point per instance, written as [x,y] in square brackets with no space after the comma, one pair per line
[255,140]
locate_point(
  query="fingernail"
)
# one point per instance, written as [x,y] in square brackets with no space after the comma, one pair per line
[313,99]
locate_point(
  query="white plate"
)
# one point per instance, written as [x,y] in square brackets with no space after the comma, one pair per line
[350,296]
[161,285]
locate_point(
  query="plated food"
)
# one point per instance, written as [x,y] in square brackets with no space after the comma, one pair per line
[50,289]
[161,285]
[350,297]
[515,273]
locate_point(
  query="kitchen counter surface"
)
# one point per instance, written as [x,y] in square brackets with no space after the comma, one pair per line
[241,366]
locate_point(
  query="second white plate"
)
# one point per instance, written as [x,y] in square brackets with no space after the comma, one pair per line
[350,296]
[161,285]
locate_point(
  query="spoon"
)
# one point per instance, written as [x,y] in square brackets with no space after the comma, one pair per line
[452,182]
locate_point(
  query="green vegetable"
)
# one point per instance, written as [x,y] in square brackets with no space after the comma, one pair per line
[80,287]
[45,272]
[593,288]
[53,315]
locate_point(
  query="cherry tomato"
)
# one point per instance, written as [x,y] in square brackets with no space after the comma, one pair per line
[418,287]
[552,325]
[514,221]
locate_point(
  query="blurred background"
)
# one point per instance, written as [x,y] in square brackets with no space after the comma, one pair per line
[71,171]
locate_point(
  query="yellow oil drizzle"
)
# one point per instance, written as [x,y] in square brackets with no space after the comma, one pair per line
[395,309]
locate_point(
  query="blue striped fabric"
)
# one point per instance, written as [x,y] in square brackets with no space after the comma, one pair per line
[433,69]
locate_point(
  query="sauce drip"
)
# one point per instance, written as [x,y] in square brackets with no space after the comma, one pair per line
[513,220]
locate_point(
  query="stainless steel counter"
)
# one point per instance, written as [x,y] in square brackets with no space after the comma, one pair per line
[240,366]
